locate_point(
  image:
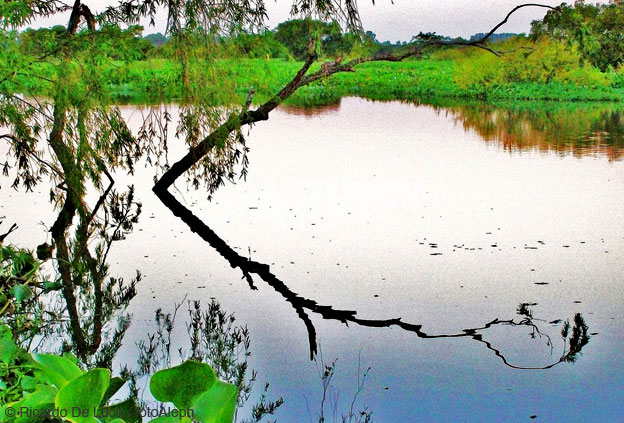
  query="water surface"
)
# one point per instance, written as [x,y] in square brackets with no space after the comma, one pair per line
[447,218]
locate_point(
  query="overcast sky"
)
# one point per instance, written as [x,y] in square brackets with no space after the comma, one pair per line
[401,20]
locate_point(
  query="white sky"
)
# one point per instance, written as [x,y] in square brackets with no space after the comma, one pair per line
[401,20]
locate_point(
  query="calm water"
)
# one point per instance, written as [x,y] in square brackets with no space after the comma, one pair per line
[447,218]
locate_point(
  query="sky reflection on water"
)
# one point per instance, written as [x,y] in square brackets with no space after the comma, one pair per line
[418,213]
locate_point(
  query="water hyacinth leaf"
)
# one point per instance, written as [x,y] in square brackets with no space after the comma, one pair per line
[217,405]
[21,293]
[115,385]
[182,384]
[84,392]
[42,398]
[71,357]
[59,370]
[128,409]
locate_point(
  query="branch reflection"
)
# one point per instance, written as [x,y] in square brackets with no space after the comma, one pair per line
[576,336]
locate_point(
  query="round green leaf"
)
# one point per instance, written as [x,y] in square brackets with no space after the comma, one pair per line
[182,384]
[59,370]
[217,405]
[84,392]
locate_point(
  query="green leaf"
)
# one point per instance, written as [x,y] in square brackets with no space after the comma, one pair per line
[28,383]
[182,384]
[42,398]
[8,350]
[115,385]
[217,405]
[84,392]
[128,409]
[3,417]
[52,286]
[118,421]
[21,293]
[59,370]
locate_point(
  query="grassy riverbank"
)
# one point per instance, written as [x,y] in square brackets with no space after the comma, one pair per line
[224,81]
[424,80]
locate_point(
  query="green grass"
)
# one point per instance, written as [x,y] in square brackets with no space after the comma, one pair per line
[228,81]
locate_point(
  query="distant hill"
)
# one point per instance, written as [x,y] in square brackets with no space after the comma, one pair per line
[495,37]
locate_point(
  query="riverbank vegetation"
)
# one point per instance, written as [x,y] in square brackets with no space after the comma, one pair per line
[570,55]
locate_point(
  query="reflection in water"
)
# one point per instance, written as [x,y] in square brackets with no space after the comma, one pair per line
[311,111]
[576,340]
[580,130]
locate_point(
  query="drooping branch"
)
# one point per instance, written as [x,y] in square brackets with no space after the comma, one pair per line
[236,120]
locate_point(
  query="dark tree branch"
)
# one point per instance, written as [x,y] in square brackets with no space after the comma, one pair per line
[304,305]
[80,10]
[4,235]
[245,117]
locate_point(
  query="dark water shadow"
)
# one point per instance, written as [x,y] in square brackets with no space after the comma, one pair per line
[577,336]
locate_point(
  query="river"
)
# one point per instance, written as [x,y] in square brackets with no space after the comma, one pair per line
[482,229]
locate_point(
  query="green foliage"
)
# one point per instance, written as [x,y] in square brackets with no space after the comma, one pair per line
[194,386]
[217,341]
[542,62]
[47,381]
[58,370]
[19,285]
[84,392]
[597,31]
[255,46]
[220,70]
[17,13]
[183,384]
[297,34]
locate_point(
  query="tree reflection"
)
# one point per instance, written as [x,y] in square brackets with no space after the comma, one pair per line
[81,308]
[586,129]
[576,339]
